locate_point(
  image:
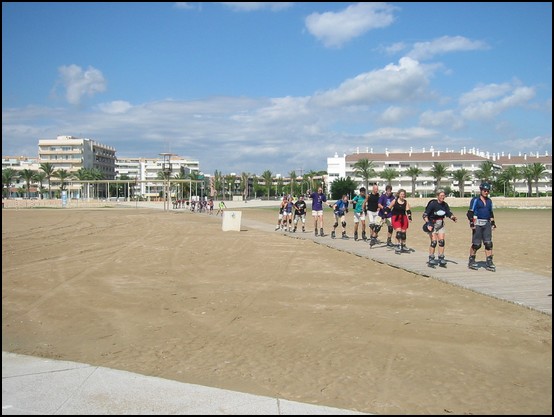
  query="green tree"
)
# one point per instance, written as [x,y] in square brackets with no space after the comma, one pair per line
[413,173]
[48,170]
[486,172]
[438,172]
[267,176]
[461,176]
[9,175]
[342,186]
[28,175]
[39,179]
[365,169]
[536,170]
[62,175]
[389,174]
[512,174]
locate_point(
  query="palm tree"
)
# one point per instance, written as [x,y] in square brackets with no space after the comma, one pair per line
[292,176]
[461,175]
[438,172]
[389,174]
[48,170]
[83,174]
[230,179]
[268,179]
[218,182]
[311,175]
[39,178]
[62,174]
[28,175]
[244,176]
[536,170]
[365,169]
[486,172]
[413,173]
[512,173]
[8,177]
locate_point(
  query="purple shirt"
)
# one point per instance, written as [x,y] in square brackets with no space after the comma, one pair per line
[317,201]
[385,200]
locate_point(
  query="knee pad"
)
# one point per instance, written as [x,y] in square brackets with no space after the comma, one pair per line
[433,243]
[399,235]
[372,226]
[343,224]
[441,243]
[377,229]
[336,224]
[290,221]
[390,229]
[403,234]
[475,247]
[488,245]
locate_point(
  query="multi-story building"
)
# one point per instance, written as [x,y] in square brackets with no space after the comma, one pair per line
[72,153]
[470,160]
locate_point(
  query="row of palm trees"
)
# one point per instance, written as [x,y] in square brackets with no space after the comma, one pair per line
[500,178]
[46,172]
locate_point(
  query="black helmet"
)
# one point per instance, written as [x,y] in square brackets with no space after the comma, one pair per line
[485,186]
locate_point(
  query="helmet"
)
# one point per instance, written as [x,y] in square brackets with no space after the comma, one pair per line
[485,186]
[426,226]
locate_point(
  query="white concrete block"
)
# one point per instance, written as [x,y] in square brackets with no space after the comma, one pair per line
[231,220]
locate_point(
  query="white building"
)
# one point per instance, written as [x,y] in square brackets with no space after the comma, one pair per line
[470,160]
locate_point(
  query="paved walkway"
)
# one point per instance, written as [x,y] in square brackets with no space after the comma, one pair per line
[38,386]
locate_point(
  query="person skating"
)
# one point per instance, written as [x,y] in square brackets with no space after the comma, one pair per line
[434,214]
[318,198]
[481,220]
[340,208]
[384,201]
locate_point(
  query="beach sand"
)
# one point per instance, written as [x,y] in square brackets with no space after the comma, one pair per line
[169,294]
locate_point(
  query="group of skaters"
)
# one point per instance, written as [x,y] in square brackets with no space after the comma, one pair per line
[393,211]
[200,206]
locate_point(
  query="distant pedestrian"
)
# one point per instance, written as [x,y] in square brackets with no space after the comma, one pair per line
[221,207]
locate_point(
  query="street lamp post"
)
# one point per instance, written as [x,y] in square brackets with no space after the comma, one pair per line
[166,170]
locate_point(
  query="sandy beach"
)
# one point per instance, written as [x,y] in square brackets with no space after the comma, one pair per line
[169,294]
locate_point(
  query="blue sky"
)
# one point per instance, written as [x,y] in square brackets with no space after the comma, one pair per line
[249,87]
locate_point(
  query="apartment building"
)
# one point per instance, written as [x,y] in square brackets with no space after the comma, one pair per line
[469,159]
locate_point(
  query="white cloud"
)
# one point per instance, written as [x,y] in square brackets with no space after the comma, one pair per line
[79,83]
[478,105]
[485,92]
[445,44]
[399,83]
[335,29]
[115,107]
[394,115]
[441,119]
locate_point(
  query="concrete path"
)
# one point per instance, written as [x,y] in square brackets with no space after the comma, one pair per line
[38,386]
